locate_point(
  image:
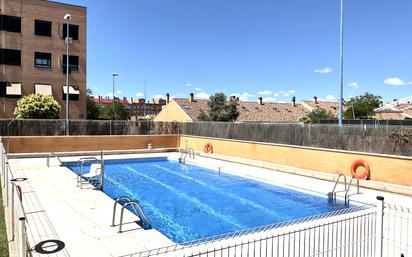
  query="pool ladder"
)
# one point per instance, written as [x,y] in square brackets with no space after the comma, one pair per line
[53,155]
[185,153]
[332,195]
[136,207]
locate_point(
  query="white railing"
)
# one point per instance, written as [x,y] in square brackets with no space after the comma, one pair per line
[12,201]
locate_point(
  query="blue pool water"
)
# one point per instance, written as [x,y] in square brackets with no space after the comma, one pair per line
[187,202]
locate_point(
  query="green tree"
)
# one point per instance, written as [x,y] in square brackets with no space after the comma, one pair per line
[36,106]
[363,106]
[119,111]
[219,109]
[93,111]
[316,115]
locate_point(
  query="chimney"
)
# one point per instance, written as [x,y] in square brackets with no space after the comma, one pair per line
[237,99]
[167,98]
[192,97]
[261,100]
[315,99]
[131,99]
[232,98]
[294,101]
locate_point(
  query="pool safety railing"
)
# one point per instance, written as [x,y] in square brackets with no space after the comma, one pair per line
[14,210]
[186,152]
[135,205]
[51,155]
[333,194]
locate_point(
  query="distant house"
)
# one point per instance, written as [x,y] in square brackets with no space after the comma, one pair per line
[332,107]
[188,109]
[395,112]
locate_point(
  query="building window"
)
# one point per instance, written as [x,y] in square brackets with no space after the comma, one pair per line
[74,93]
[73,31]
[10,57]
[10,90]
[42,60]
[43,89]
[42,28]
[10,23]
[73,63]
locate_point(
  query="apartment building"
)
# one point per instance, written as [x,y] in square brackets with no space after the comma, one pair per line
[33,54]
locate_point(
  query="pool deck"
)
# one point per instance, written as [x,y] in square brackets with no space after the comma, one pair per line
[57,209]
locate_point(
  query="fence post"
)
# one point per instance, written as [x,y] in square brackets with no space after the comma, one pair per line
[379,226]
[22,231]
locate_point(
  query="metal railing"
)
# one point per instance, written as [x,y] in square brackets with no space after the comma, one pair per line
[12,201]
[186,152]
[134,204]
[51,155]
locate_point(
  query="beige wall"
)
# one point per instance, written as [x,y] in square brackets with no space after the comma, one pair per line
[87,143]
[389,169]
[172,112]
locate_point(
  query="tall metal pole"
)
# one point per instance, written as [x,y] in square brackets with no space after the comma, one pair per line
[341,64]
[144,106]
[67,77]
[113,109]
[113,116]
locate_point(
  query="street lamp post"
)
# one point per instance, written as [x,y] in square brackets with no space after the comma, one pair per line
[341,65]
[67,17]
[114,75]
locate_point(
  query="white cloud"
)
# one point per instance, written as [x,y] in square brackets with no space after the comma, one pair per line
[265,92]
[394,81]
[291,91]
[276,94]
[188,84]
[243,97]
[139,94]
[354,85]
[282,92]
[286,94]
[323,70]
[198,89]
[330,98]
[409,82]
[281,102]
[202,95]
[269,99]
[159,96]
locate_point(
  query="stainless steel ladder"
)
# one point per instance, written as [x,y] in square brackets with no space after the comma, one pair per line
[137,209]
[185,153]
[332,195]
[53,155]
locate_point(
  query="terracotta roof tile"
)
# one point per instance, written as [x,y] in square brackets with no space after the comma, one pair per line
[250,111]
[333,107]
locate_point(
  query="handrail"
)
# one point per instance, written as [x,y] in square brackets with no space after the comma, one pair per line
[141,214]
[53,155]
[191,152]
[349,186]
[332,195]
[136,207]
[182,158]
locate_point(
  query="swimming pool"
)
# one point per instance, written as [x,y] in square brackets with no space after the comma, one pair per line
[188,202]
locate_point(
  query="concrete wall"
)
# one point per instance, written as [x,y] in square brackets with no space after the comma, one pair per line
[87,143]
[390,169]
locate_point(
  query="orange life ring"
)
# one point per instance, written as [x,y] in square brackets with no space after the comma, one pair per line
[208,148]
[356,165]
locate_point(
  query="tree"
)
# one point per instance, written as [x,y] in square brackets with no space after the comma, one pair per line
[362,106]
[316,115]
[219,109]
[93,111]
[36,106]
[119,111]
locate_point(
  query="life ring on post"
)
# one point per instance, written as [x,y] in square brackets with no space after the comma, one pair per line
[356,165]
[208,148]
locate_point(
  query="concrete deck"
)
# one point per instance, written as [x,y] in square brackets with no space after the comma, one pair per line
[57,209]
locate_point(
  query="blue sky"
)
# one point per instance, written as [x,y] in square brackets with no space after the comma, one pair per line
[274,49]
